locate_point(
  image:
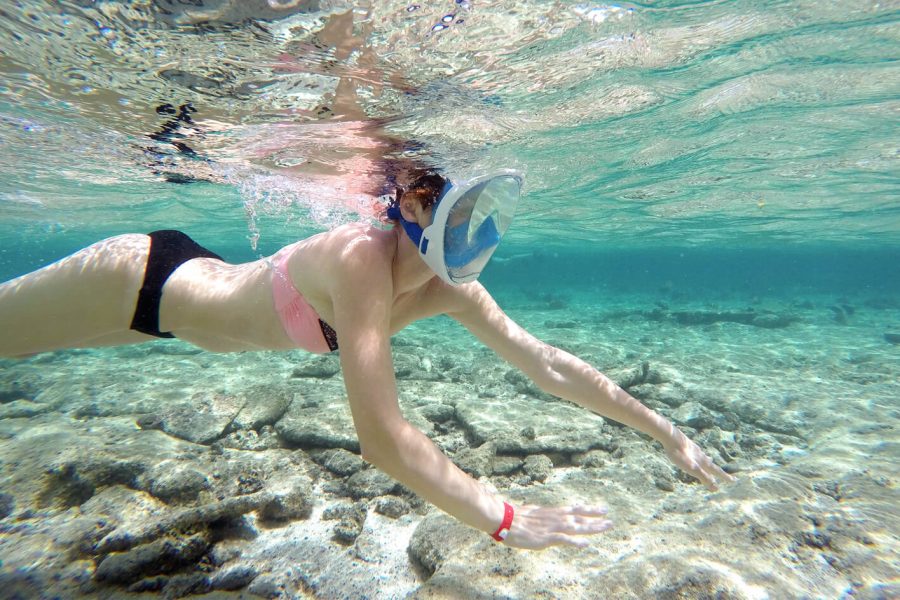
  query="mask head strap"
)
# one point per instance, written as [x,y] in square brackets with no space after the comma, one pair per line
[413,230]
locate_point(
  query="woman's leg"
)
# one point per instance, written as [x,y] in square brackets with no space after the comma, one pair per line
[84,299]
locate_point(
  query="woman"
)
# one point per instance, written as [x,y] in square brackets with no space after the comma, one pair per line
[354,287]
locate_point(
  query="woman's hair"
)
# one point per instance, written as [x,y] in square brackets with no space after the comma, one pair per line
[426,187]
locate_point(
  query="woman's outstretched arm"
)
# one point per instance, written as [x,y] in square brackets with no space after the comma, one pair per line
[392,444]
[559,373]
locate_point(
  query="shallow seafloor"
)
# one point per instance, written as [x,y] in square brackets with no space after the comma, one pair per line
[163,470]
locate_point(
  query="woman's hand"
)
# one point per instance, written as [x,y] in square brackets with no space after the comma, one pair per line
[538,527]
[688,457]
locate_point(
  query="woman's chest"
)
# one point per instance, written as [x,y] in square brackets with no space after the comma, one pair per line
[414,306]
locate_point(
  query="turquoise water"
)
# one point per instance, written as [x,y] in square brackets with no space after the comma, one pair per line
[719,156]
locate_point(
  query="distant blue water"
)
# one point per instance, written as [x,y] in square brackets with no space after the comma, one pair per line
[695,273]
[671,274]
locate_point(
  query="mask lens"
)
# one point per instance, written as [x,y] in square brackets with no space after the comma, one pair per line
[475,225]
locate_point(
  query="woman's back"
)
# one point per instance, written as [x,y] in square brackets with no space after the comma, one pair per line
[222,307]
[225,307]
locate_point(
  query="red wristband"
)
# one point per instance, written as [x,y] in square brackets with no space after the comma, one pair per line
[503,530]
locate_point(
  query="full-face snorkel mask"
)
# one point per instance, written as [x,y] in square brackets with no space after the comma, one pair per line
[468,220]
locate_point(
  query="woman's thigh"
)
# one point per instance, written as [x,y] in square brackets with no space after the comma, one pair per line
[85,296]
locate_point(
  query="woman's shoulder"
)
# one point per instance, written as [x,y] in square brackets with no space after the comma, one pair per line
[360,231]
[346,238]
[353,248]
[361,241]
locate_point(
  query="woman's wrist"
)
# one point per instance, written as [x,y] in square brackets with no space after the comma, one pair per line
[671,436]
[506,524]
[491,512]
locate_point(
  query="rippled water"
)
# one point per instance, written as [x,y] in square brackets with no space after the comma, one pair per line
[712,123]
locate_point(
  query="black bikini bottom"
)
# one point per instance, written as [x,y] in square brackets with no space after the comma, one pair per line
[169,249]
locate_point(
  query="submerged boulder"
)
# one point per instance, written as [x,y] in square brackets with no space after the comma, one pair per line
[339,461]
[202,420]
[7,505]
[370,483]
[325,424]
[175,483]
[262,405]
[477,462]
[290,499]
[437,539]
[234,578]
[159,556]
[694,414]
[318,367]
[538,467]
[350,520]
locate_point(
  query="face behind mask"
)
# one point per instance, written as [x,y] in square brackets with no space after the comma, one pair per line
[468,221]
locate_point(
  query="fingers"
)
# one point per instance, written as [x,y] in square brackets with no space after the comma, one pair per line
[575,521]
[594,527]
[588,511]
[575,536]
[709,482]
[701,466]
[723,474]
[710,474]
[587,525]
[584,523]
[701,470]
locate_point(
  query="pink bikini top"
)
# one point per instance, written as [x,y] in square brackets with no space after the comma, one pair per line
[300,321]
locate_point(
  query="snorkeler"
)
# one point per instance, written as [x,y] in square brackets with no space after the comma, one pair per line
[352,288]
